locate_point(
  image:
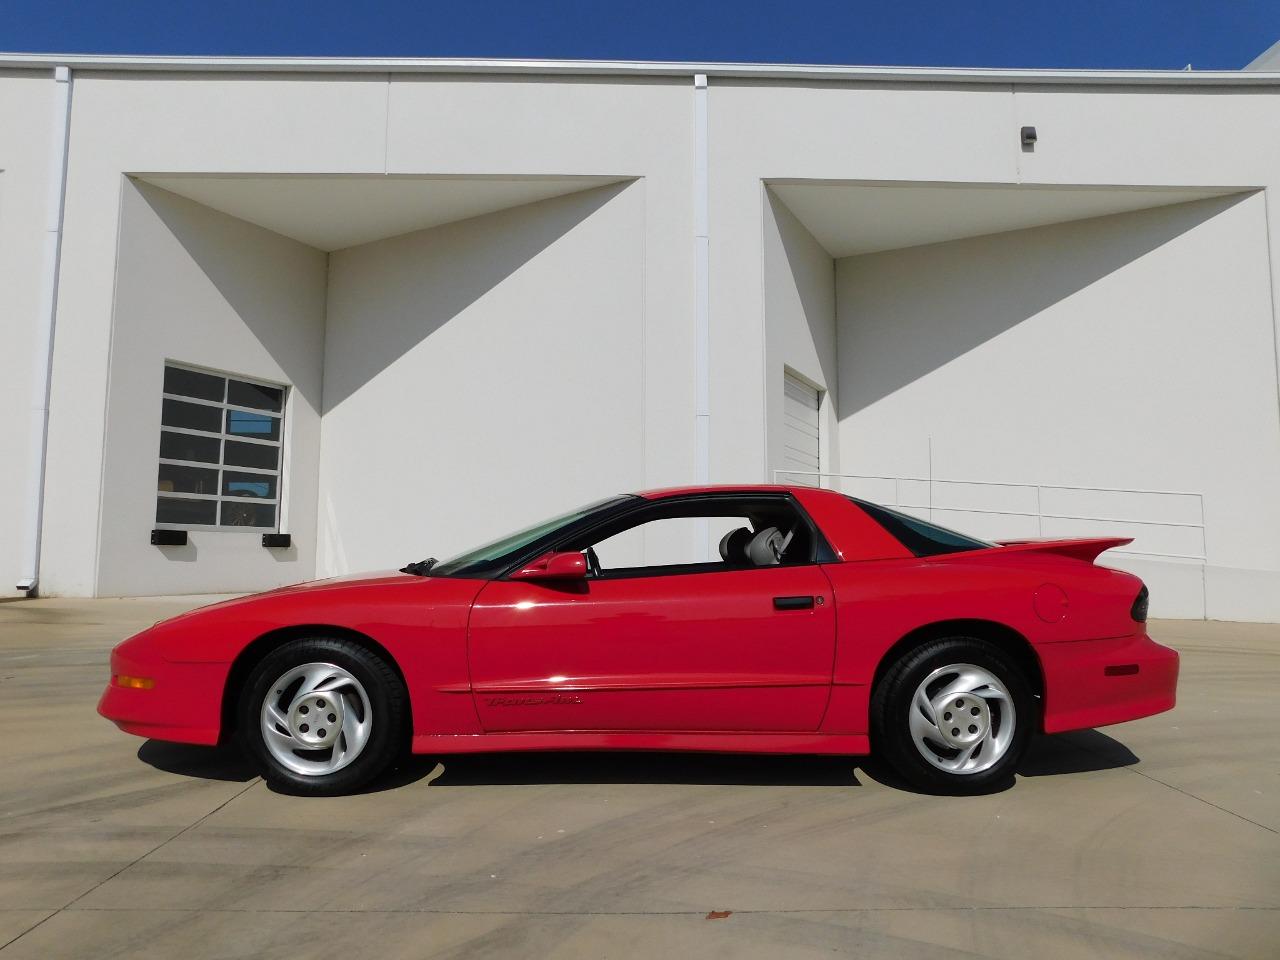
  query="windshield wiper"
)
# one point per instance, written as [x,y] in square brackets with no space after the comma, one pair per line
[421,567]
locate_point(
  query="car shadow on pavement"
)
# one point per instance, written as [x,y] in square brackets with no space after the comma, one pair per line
[1061,754]
[1081,751]
[205,763]
[645,767]
[1052,755]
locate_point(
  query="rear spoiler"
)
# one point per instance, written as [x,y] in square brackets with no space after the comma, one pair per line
[1080,548]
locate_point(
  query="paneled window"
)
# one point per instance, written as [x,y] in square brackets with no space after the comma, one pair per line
[220,439]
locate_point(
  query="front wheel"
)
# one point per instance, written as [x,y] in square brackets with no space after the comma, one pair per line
[953,716]
[322,716]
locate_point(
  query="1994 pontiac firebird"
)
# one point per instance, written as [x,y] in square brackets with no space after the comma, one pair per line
[827,625]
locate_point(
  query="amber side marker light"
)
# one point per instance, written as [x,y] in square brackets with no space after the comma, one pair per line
[137,683]
[1121,669]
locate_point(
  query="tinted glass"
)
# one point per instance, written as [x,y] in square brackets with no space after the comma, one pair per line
[236,514]
[192,416]
[483,561]
[186,446]
[176,479]
[252,455]
[243,394]
[174,510]
[922,538]
[248,485]
[258,425]
[188,383]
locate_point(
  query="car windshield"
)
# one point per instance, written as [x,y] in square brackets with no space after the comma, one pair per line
[487,560]
[922,538]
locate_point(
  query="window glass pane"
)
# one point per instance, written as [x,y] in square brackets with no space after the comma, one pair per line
[248,485]
[235,514]
[192,416]
[252,455]
[186,446]
[258,425]
[663,543]
[188,383]
[174,510]
[922,538]
[176,479]
[243,394]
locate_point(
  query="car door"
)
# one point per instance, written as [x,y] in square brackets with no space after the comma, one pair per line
[709,650]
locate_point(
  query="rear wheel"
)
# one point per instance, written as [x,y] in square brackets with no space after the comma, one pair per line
[953,716]
[322,716]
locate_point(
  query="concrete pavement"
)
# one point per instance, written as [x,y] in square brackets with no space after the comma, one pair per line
[1159,838]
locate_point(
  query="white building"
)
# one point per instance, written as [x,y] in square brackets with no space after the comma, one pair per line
[445,299]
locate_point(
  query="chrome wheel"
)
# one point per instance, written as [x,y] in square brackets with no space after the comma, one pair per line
[962,719]
[316,719]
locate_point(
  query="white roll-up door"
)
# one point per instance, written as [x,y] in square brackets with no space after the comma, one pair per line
[799,429]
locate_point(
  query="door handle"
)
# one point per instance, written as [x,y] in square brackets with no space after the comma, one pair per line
[793,603]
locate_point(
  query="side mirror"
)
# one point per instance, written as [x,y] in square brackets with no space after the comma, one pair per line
[554,566]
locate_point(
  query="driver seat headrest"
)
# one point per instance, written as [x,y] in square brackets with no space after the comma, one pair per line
[767,547]
[733,546]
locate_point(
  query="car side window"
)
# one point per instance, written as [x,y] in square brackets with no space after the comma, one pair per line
[663,539]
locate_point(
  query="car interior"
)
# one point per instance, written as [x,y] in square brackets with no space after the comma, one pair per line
[774,534]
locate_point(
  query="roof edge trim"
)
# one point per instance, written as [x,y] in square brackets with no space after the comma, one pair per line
[637,68]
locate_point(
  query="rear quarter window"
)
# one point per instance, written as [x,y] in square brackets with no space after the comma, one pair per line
[922,538]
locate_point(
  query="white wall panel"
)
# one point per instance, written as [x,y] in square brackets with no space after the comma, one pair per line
[204,289]
[26,111]
[1131,352]
[482,376]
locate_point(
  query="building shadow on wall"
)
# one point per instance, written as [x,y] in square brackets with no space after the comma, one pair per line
[244,263]
[411,287]
[388,296]
[952,304]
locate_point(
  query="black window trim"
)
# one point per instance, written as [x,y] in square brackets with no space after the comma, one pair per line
[218,498]
[891,521]
[821,551]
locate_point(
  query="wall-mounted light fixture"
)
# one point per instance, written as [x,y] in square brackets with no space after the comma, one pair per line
[277,540]
[1028,136]
[169,538]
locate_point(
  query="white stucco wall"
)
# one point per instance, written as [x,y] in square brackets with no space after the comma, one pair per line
[616,286]
[200,288]
[371,124]
[482,376]
[26,112]
[1134,351]
[799,327]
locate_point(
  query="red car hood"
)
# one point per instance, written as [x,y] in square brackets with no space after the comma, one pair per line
[296,589]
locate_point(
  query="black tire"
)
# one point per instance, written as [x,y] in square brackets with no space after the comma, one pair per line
[387,702]
[892,702]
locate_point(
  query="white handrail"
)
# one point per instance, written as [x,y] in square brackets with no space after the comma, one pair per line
[1039,514]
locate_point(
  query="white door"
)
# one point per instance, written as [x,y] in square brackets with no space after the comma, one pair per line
[799,430]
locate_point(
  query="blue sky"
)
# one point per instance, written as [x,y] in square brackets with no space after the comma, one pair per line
[1168,34]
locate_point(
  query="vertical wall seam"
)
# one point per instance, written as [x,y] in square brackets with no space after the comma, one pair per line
[701,307]
[766,213]
[1275,351]
[1013,110]
[42,359]
[644,336]
[702,302]
[386,129]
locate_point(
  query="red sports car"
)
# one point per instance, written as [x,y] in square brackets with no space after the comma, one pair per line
[825,625]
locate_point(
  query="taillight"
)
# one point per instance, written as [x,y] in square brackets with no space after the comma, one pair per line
[1139,609]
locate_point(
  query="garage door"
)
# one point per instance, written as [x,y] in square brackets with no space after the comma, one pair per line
[800,429]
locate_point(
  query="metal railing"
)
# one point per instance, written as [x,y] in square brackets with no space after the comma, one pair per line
[906,496]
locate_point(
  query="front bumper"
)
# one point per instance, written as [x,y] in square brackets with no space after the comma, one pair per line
[1093,683]
[184,706]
